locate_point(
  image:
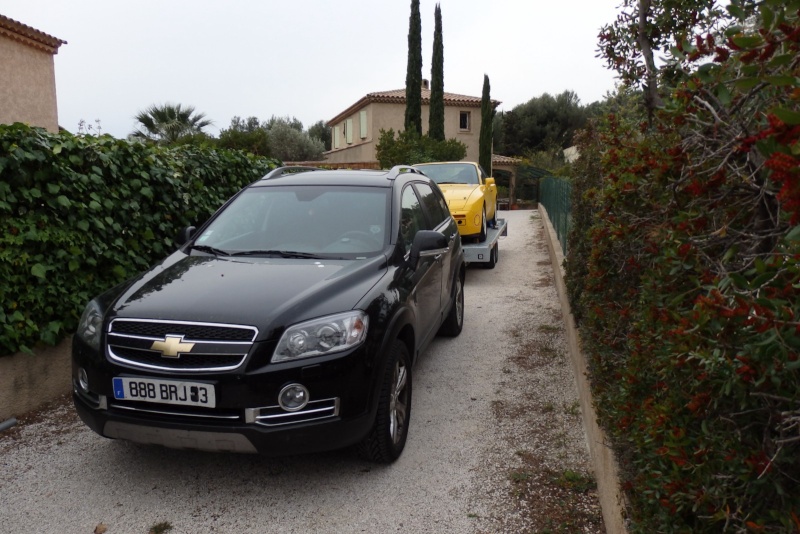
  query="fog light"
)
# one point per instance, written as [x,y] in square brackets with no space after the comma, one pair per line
[293,397]
[83,379]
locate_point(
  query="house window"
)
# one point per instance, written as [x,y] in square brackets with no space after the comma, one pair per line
[464,121]
[335,137]
[348,131]
[363,126]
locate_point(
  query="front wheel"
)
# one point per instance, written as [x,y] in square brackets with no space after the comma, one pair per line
[386,440]
[482,237]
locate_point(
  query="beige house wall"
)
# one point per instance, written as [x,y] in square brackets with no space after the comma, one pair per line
[27,85]
[383,116]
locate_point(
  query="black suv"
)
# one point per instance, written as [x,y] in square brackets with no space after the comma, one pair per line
[287,323]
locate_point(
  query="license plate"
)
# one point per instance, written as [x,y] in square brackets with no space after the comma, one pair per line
[165,391]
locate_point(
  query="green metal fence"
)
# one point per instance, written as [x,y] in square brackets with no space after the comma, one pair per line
[555,194]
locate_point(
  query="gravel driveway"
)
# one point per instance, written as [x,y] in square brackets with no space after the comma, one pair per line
[495,445]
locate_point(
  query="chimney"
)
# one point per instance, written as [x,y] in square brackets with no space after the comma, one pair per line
[426,84]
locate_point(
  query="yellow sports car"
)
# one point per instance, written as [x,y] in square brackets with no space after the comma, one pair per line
[470,194]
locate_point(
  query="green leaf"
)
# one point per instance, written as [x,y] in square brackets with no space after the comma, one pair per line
[781,81]
[781,60]
[63,201]
[767,15]
[39,270]
[83,225]
[748,41]
[119,270]
[745,84]
[53,188]
[787,115]
[736,11]
[723,94]
[57,149]
[794,234]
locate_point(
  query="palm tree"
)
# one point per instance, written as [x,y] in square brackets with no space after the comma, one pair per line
[168,123]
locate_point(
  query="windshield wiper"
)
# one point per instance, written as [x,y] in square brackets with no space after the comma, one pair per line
[281,253]
[210,250]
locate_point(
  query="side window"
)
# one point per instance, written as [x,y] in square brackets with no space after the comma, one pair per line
[483,174]
[434,204]
[412,219]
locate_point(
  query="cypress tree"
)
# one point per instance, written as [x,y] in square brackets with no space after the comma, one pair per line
[485,140]
[436,119]
[413,120]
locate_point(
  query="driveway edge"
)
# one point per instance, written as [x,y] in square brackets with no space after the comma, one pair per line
[605,465]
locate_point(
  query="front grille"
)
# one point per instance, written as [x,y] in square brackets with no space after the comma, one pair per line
[197,347]
[188,330]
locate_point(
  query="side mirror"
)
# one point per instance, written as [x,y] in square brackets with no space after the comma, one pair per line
[427,243]
[185,235]
[490,182]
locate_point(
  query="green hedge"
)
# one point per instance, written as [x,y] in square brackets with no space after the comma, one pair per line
[684,272]
[81,214]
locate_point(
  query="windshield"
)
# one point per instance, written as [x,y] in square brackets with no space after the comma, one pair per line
[301,221]
[451,173]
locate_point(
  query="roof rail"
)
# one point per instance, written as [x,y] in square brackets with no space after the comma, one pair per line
[397,170]
[283,171]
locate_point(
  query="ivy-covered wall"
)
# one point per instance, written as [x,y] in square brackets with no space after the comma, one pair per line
[81,214]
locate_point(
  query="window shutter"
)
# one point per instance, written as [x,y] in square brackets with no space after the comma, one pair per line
[363,119]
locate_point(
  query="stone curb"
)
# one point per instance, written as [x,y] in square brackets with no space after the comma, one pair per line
[605,465]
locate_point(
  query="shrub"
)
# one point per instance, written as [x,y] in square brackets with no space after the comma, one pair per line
[81,214]
[684,272]
[409,148]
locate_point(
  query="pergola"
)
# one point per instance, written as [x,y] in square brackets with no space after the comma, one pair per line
[507,164]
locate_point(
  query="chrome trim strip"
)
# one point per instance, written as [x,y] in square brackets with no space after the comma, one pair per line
[297,421]
[120,359]
[291,414]
[179,414]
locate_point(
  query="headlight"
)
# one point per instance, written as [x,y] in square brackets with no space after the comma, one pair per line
[90,325]
[325,335]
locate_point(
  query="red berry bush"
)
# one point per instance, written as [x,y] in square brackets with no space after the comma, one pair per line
[683,273]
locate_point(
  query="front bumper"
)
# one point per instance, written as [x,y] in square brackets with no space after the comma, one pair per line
[247,417]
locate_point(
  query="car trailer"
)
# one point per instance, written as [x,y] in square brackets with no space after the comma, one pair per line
[487,251]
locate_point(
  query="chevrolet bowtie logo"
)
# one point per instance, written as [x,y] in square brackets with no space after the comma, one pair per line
[172,347]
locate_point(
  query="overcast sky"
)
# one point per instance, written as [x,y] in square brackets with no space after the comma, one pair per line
[309,59]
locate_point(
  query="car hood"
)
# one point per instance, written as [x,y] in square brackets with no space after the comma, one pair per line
[268,293]
[459,195]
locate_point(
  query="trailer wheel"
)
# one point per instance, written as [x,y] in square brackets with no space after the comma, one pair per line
[494,256]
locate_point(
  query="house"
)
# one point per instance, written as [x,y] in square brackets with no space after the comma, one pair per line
[356,130]
[27,75]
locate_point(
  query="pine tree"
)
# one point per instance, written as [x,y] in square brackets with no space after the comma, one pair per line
[485,140]
[436,119]
[413,121]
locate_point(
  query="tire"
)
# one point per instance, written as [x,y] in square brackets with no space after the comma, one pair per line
[494,256]
[493,222]
[386,440]
[482,237]
[454,321]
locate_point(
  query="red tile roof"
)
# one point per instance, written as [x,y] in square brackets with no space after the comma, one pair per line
[398,96]
[30,36]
